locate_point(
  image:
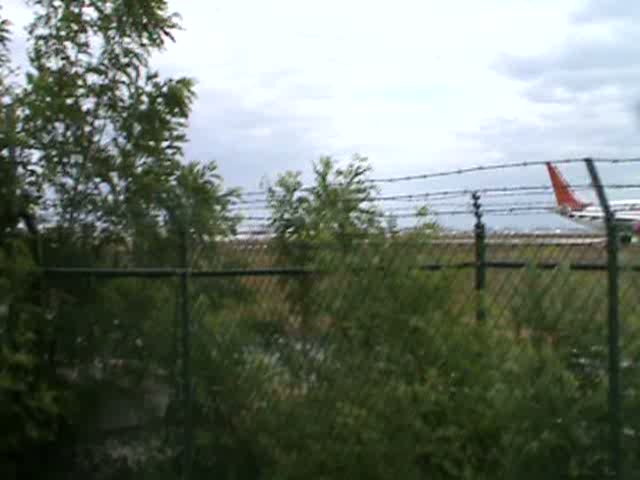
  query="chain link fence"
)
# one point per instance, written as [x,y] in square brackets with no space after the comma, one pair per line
[476,355]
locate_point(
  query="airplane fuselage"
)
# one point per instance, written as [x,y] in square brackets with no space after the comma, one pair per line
[626,215]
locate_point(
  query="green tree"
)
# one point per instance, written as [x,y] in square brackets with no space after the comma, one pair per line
[338,206]
[30,404]
[330,215]
[102,126]
[97,136]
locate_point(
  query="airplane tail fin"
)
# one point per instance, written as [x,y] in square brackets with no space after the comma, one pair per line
[565,195]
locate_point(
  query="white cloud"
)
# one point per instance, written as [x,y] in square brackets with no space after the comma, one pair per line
[582,93]
[393,80]
[416,85]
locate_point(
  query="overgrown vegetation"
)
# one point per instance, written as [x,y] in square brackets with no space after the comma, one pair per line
[371,368]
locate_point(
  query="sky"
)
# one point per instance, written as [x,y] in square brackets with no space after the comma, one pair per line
[416,86]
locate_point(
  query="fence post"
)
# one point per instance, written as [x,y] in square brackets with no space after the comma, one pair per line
[186,358]
[481,269]
[615,413]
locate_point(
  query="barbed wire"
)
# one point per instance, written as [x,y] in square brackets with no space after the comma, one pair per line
[524,207]
[471,169]
[500,209]
[437,202]
[437,196]
[486,191]
[438,213]
[498,166]
[433,194]
[455,209]
[465,233]
[470,211]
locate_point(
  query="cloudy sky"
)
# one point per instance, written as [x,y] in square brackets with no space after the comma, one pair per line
[416,86]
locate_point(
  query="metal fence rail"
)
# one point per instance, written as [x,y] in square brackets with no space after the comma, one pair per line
[487,302]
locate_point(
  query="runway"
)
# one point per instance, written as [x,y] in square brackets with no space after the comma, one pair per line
[524,240]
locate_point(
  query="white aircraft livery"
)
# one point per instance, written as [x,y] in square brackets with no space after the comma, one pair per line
[626,212]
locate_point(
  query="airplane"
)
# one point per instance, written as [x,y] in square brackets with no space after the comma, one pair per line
[626,212]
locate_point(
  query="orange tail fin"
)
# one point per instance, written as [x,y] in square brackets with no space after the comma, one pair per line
[564,194]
